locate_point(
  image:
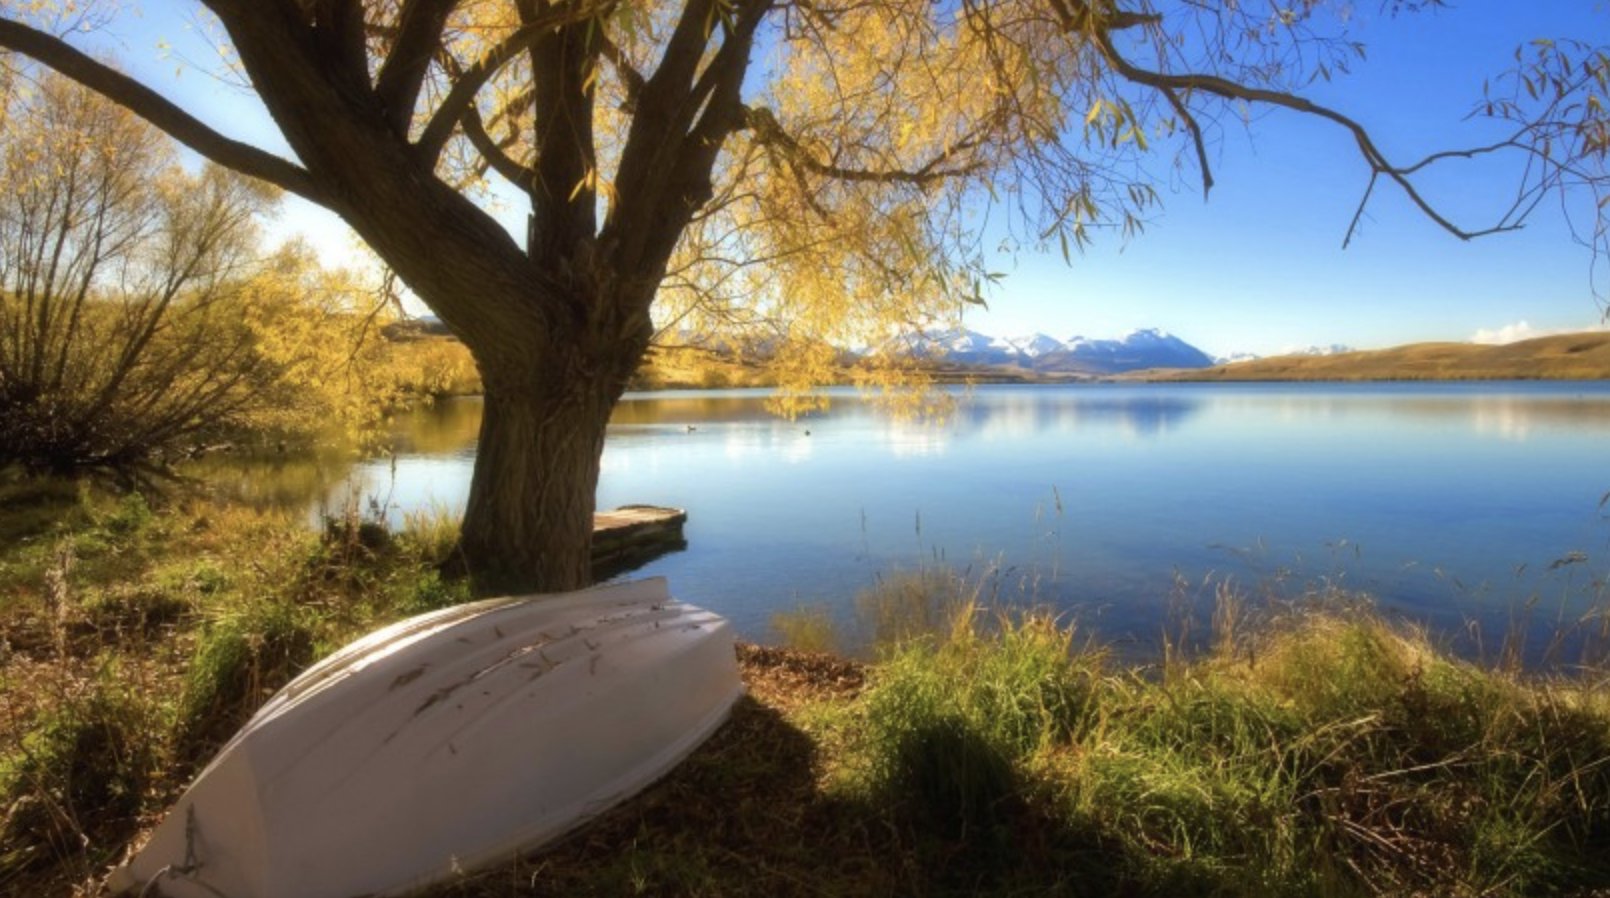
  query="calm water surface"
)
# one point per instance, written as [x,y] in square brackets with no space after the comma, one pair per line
[1451,503]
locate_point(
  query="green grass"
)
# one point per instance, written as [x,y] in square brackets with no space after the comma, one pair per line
[136,636]
[1346,757]
[84,765]
[239,659]
[1321,751]
[1316,751]
[807,628]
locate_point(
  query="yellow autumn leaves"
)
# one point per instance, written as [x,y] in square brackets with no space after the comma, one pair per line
[139,315]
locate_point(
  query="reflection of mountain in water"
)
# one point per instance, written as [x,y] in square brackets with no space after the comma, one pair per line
[1147,414]
[1142,411]
[995,414]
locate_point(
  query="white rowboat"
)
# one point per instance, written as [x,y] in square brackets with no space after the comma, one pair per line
[447,742]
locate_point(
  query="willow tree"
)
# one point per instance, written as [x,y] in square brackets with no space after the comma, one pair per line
[820,166]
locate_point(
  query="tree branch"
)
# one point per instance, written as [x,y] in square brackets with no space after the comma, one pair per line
[339,32]
[1223,87]
[564,67]
[630,77]
[1185,115]
[768,131]
[419,34]
[718,89]
[492,151]
[158,110]
[501,162]
[447,115]
[1076,15]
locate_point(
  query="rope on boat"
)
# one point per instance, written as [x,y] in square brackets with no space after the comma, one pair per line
[172,872]
[187,870]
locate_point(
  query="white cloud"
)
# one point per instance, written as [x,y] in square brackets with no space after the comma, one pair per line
[1521,330]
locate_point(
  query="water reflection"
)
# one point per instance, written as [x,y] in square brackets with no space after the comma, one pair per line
[988,413]
[274,480]
[688,407]
[1096,494]
[442,428]
[435,445]
[1507,411]
[1142,412]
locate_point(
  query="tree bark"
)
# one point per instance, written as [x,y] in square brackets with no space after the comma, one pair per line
[529,521]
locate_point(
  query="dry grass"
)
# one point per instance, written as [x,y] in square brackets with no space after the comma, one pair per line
[1309,753]
[1583,356]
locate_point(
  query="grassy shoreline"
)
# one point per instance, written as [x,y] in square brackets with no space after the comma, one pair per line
[1323,751]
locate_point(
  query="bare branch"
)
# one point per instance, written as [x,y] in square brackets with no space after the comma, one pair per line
[492,151]
[1076,15]
[1358,214]
[1185,115]
[158,110]
[1223,87]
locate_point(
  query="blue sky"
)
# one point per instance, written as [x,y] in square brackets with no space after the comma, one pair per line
[1259,266]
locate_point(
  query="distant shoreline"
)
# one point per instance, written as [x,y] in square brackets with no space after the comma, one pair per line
[1567,357]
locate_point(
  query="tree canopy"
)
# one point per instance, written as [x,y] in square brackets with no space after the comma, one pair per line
[817,171]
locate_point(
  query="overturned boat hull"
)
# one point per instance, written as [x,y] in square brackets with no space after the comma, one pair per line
[447,742]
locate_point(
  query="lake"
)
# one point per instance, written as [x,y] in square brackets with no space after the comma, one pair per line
[1468,506]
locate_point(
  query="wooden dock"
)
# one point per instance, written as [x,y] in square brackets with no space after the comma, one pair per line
[634,535]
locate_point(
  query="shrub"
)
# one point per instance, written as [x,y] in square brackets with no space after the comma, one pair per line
[75,781]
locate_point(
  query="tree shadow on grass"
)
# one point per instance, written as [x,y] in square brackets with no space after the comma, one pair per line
[741,816]
[745,816]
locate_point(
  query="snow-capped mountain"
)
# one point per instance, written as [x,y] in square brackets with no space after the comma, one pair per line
[1035,345]
[959,346]
[1147,348]
[1330,349]
[1235,357]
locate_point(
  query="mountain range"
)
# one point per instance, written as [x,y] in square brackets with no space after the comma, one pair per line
[1140,349]
[1035,353]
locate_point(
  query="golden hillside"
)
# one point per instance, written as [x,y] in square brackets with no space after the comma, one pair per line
[1584,356]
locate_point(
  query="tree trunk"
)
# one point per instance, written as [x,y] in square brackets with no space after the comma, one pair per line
[529,521]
